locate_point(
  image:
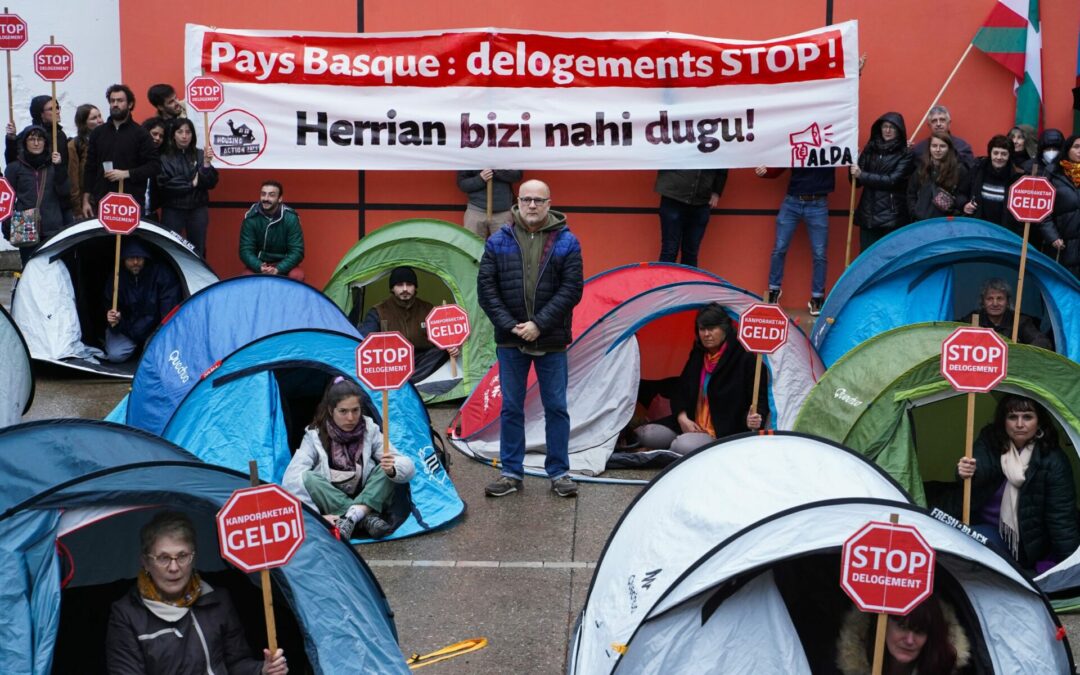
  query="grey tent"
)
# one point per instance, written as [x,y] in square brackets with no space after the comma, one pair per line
[16,379]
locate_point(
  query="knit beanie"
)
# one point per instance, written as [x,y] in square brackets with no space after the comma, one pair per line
[402,275]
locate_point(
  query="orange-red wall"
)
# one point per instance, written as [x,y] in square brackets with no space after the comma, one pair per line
[911,47]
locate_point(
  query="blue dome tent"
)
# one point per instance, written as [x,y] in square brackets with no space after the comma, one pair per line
[209,326]
[257,402]
[931,271]
[73,522]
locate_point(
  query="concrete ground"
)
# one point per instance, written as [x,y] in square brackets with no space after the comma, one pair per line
[515,570]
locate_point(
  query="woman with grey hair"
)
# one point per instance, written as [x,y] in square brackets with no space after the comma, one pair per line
[996,311]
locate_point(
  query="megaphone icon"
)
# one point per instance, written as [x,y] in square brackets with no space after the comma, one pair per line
[810,137]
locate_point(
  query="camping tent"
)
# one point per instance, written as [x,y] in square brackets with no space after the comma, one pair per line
[719,566]
[446,257]
[58,302]
[932,271]
[257,402]
[633,323]
[209,326]
[87,476]
[882,394]
[16,379]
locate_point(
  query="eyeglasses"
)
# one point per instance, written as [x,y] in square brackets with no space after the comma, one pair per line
[534,200]
[164,561]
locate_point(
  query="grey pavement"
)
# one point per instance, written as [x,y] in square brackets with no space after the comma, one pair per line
[515,570]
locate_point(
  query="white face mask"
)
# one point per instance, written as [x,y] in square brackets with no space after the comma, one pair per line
[1050,155]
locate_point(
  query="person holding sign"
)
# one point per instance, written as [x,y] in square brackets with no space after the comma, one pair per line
[43,111]
[1022,494]
[187,176]
[1062,229]
[148,292]
[713,395]
[41,188]
[928,640]
[340,467]
[172,621]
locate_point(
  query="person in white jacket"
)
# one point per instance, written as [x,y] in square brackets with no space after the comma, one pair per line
[340,467]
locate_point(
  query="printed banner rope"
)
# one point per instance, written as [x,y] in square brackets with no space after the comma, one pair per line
[530,100]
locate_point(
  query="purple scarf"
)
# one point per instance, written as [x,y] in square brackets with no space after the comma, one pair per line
[345,446]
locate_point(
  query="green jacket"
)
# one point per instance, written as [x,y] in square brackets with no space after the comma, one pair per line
[278,241]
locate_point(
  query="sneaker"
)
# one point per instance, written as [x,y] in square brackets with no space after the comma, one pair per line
[376,527]
[564,487]
[345,527]
[815,305]
[502,487]
[774,295]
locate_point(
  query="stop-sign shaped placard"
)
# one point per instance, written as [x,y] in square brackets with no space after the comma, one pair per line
[205,94]
[54,63]
[12,31]
[447,326]
[974,359]
[119,213]
[1031,199]
[7,199]
[384,360]
[260,527]
[763,328]
[887,568]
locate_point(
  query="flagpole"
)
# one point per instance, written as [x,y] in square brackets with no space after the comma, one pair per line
[942,90]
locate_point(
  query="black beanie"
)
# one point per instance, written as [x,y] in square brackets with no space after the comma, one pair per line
[37,106]
[403,275]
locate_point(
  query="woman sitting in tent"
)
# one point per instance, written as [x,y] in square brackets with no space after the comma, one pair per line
[173,621]
[996,311]
[939,187]
[1022,493]
[713,394]
[341,468]
[927,640]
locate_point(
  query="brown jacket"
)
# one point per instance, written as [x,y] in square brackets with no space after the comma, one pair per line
[409,322]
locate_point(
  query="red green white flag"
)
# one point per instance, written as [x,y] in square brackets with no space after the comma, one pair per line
[1012,36]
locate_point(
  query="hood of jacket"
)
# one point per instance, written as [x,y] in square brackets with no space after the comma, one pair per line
[851,656]
[555,220]
[897,120]
[1050,138]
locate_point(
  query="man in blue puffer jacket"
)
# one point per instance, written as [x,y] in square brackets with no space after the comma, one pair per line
[529,282]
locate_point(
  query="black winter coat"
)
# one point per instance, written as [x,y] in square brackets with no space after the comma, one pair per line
[730,389]
[990,206]
[174,181]
[1064,222]
[144,299]
[1047,508]
[26,180]
[139,642]
[501,287]
[885,168]
[920,196]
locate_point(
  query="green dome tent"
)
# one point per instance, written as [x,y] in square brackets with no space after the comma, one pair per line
[446,258]
[888,400]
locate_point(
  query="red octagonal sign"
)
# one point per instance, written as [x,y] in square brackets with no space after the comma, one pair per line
[1031,199]
[974,359]
[887,568]
[763,328]
[54,63]
[260,527]
[119,213]
[7,199]
[384,360]
[447,326]
[12,31]
[205,94]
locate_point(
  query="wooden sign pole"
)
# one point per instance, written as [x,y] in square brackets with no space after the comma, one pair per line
[55,106]
[10,98]
[116,265]
[969,443]
[850,224]
[264,579]
[1020,282]
[882,622]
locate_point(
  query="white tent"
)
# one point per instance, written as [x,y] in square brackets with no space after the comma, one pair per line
[57,297]
[16,380]
[689,580]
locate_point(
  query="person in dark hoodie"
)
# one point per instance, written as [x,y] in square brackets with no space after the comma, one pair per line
[883,170]
[1062,229]
[40,182]
[991,179]
[148,292]
[529,282]
[1051,142]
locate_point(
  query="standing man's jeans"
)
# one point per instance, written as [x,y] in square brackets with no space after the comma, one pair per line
[815,213]
[681,226]
[552,378]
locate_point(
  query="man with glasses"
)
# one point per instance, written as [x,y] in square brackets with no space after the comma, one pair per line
[174,622]
[529,282]
[940,121]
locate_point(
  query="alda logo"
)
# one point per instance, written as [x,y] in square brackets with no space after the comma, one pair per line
[238,137]
[808,148]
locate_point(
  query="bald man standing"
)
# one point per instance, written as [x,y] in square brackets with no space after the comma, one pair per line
[529,282]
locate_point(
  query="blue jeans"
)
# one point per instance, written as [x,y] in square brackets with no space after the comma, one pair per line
[816,215]
[681,226]
[513,377]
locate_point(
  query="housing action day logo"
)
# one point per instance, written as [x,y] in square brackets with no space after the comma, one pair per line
[238,137]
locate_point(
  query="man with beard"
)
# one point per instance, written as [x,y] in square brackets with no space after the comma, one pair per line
[271,241]
[148,292]
[119,150]
[405,313]
[163,98]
